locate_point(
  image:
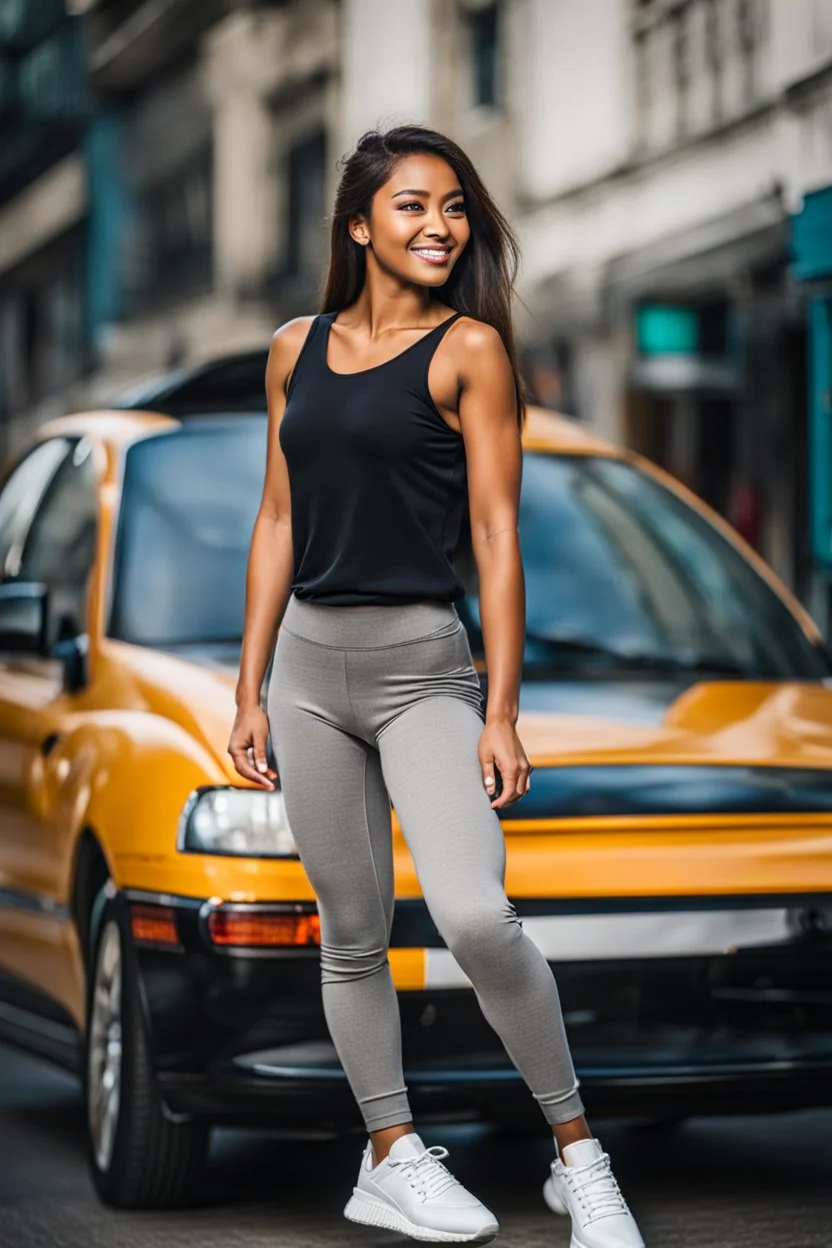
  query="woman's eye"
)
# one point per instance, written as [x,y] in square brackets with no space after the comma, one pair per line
[458,207]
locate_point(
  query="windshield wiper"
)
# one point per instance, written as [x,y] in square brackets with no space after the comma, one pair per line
[641,660]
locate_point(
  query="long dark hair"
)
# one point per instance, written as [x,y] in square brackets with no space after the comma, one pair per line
[482,281]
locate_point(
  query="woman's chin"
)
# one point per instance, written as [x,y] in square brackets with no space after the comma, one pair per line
[431,275]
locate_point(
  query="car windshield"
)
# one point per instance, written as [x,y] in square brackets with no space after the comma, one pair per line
[189,501]
[620,573]
[623,574]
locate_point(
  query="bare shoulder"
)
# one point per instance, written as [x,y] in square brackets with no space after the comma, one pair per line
[286,345]
[475,341]
[292,333]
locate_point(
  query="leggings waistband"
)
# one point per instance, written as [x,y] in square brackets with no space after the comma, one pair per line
[367,627]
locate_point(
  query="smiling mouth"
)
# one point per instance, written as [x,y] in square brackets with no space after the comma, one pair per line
[432,255]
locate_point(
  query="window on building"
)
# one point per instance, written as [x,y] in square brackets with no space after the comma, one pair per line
[170,251]
[43,323]
[485,55]
[306,208]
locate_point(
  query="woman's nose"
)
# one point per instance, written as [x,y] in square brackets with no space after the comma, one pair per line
[437,228]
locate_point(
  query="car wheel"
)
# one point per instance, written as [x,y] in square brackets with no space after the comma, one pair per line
[140,1156]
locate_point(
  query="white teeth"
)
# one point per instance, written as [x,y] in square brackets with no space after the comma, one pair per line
[432,252]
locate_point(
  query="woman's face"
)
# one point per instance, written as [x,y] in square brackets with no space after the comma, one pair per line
[417,226]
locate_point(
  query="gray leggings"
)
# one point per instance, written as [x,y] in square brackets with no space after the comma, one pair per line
[369,703]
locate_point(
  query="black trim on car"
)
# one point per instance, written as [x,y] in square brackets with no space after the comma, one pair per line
[33,902]
[245,1039]
[659,789]
[413,926]
[31,1020]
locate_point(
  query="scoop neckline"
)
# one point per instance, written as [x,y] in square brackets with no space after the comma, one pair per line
[362,372]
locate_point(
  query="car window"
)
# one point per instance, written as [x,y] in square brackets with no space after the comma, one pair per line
[60,545]
[20,496]
[189,501]
[622,573]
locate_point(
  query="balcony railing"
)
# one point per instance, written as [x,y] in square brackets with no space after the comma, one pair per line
[697,66]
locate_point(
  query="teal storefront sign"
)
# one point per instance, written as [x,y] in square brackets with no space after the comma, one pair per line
[666,329]
[812,264]
[812,237]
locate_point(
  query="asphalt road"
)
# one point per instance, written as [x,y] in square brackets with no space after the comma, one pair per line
[754,1182]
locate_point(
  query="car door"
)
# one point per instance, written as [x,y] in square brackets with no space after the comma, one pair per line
[21,495]
[56,547]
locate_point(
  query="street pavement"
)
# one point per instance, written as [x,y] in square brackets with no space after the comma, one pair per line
[751,1182]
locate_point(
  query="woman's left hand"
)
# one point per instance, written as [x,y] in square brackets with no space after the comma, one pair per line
[499,744]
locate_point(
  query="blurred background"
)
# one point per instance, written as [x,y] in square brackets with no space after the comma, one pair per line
[167,166]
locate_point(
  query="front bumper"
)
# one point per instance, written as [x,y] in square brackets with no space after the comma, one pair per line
[241,1036]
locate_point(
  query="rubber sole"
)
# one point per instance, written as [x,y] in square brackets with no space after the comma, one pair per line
[578,1243]
[362,1208]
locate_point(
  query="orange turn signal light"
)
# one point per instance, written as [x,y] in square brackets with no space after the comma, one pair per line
[155,925]
[244,928]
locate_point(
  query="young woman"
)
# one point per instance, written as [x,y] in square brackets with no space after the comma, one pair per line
[389,414]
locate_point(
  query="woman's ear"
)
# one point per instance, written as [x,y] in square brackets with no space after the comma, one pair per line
[359,232]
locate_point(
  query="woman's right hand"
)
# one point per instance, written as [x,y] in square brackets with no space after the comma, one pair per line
[247,746]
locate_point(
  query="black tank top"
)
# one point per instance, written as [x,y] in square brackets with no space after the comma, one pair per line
[377,478]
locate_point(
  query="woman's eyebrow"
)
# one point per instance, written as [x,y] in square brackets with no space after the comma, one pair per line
[426,194]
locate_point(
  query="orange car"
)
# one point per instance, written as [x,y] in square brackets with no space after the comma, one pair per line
[158,934]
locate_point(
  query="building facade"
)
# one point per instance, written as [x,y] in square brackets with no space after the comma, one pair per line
[224,120]
[44,111]
[178,211]
[655,156]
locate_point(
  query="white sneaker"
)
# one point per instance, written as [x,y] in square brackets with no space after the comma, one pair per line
[413,1193]
[585,1188]
[553,1195]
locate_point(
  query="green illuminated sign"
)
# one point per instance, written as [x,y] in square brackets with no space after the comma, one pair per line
[664,329]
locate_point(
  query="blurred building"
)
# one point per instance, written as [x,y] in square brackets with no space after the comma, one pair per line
[652,154]
[812,252]
[224,113]
[44,203]
[683,137]
[182,173]
[655,156]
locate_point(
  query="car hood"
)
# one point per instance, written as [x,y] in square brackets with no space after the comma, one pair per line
[612,721]
[739,722]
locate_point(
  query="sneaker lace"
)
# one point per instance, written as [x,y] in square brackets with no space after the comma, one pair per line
[425,1173]
[596,1189]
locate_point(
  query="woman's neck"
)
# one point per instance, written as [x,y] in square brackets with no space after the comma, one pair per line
[385,306]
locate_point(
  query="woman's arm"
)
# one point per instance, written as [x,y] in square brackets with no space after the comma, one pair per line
[488,419]
[269,569]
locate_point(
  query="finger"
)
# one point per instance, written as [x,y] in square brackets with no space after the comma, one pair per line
[488,776]
[509,792]
[260,760]
[258,764]
[247,770]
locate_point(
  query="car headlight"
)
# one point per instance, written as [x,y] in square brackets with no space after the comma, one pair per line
[244,822]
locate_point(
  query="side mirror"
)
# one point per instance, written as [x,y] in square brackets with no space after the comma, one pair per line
[23,617]
[73,653]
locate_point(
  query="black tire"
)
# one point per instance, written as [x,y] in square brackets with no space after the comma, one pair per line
[142,1157]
